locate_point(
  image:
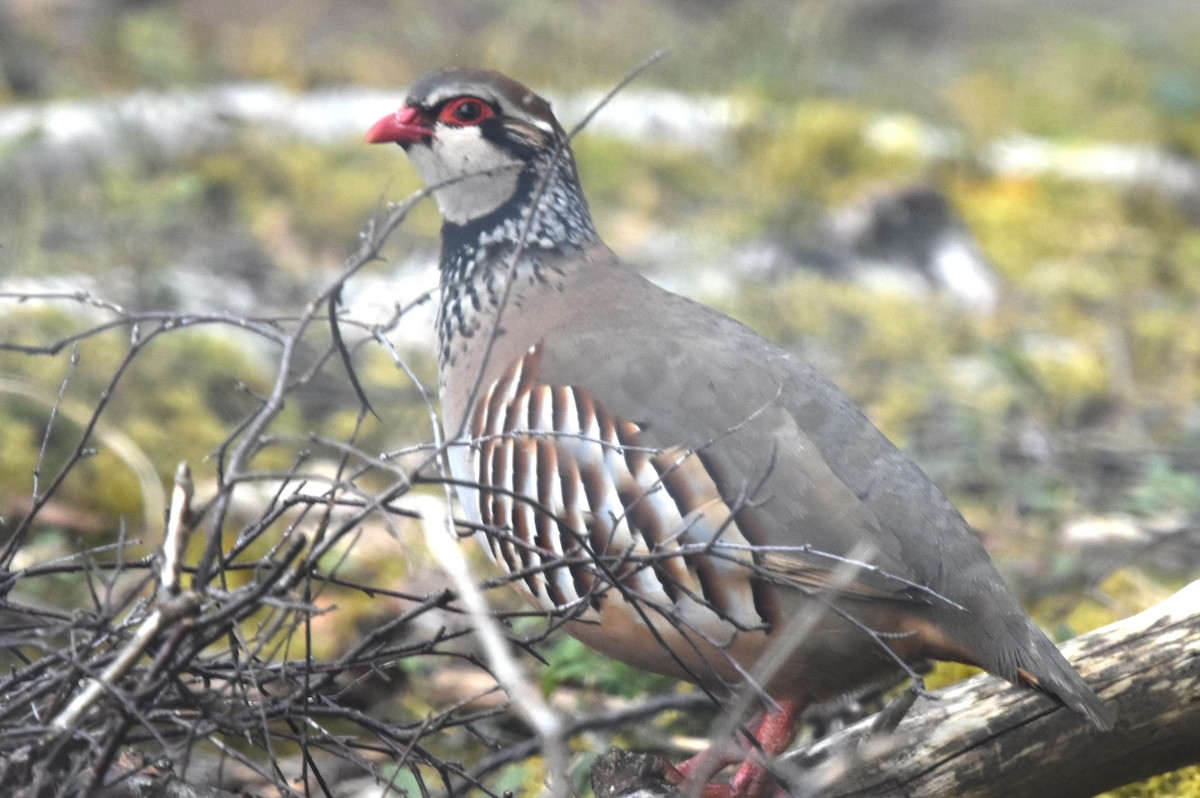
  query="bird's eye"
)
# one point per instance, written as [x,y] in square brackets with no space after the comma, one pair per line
[466,111]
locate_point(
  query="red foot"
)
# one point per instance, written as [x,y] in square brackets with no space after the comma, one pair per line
[774,733]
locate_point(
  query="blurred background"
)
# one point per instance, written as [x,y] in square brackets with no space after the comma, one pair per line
[980,219]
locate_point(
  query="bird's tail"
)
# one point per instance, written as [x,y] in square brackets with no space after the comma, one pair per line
[1050,673]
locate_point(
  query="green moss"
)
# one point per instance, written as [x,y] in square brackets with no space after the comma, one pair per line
[945,674]
[178,401]
[1180,784]
[627,182]
[571,662]
[793,163]
[157,46]
[292,193]
[1078,85]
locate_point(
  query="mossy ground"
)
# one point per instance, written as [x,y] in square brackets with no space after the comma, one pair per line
[1095,338]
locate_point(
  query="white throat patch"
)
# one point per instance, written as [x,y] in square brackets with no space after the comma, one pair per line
[478,176]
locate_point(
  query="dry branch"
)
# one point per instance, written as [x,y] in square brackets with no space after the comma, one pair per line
[982,738]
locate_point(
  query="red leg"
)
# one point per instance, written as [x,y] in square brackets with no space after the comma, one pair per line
[715,758]
[774,733]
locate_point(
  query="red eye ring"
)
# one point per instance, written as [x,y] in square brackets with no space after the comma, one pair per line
[465,111]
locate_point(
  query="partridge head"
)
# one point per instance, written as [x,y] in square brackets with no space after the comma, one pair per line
[684,493]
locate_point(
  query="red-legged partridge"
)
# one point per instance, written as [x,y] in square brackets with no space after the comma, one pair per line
[679,487]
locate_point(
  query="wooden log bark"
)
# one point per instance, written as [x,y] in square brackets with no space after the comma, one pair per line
[983,738]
